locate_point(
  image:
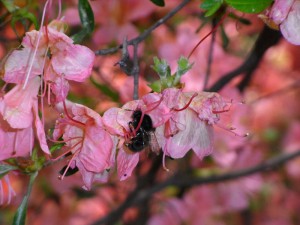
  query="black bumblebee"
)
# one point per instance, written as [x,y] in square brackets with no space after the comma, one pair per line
[144,136]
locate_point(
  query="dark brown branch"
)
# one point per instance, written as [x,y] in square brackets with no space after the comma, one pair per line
[142,183]
[188,180]
[146,33]
[266,39]
[210,55]
[135,72]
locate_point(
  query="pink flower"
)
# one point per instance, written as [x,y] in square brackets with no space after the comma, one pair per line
[190,123]
[55,56]
[92,147]
[19,111]
[117,121]
[286,14]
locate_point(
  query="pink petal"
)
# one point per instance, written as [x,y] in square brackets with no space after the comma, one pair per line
[156,109]
[126,163]
[16,106]
[197,135]
[125,114]
[74,62]
[96,149]
[40,131]
[18,62]
[290,28]
[110,121]
[90,177]
[60,89]
[15,142]
[280,10]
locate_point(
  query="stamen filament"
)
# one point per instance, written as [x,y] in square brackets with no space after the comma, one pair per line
[187,105]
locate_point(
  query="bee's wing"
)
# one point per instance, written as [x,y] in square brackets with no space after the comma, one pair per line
[154,146]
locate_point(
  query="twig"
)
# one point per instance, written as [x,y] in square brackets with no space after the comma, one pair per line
[135,72]
[186,180]
[142,183]
[183,180]
[146,33]
[210,56]
[266,39]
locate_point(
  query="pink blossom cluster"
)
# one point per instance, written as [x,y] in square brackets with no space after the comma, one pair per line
[182,121]
[42,66]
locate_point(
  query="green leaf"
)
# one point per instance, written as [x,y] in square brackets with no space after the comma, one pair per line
[211,6]
[20,216]
[160,3]
[183,67]
[56,147]
[163,70]
[249,6]
[155,86]
[87,20]
[5,168]
[9,5]
[161,67]
[225,39]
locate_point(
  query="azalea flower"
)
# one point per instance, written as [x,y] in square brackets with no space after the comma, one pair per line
[85,137]
[190,123]
[117,121]
[52,53]
[19,117]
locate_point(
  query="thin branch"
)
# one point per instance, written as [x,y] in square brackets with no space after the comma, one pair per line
[146,33]
[210,55]
[266,39]
[142,183]
[183,180]
[135,72]
[186,180]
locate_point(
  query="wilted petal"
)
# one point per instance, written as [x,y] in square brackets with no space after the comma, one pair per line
[126,163]
[207,105]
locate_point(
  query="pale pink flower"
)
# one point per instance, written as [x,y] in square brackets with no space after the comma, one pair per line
[19,112]
[56,57]
[91,146]
[190,124]
[116,122]
[286,14]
